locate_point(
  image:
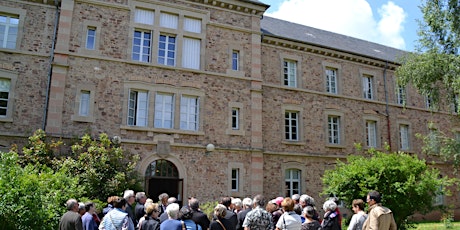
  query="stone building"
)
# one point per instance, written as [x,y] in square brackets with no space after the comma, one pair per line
[216,98]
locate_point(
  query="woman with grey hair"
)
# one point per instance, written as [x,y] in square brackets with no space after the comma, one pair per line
[310,224]
[331,219]
[219,222]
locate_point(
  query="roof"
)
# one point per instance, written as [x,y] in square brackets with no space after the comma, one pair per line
[305,34]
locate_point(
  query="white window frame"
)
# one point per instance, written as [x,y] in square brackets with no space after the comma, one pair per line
[8,39]
[144,16]
[165,59]
[235,118]
[189,112]
[145,51]
[191,48]
[331,80]
[334,129]
[12,78]
[371,134]
[164,110]
[5,90]
[368,86]
[138,103]
[404,137]
[235,180]
[84,108]
[91,38]
[291,130]
[290,73]
[401,95]
[235,60]
[290,180]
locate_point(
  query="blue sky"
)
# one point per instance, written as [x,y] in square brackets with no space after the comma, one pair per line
[391,23]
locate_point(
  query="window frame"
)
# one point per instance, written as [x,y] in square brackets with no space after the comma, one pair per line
[291,129]
[163,112]
[141,54]
[230,130]
[289,179]
[77,116]
[12,77]
[369,134]
[185,109]
[368,87]
[401,95]
[20,14]
[404,145]
[340,132]
[241,179]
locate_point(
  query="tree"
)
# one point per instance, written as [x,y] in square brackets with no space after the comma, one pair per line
[407,184]
[32,196]
[434,69]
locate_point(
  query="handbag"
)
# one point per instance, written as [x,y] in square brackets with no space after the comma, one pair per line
[218,221]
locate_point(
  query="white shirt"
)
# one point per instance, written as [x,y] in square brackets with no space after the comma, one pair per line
[357,221]
[290,220]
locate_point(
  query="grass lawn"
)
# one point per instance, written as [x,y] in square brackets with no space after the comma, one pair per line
[436,226]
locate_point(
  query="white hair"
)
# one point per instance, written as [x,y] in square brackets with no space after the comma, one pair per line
[247,202]
[329,205]
[127,194]
[237,202]
[172,210]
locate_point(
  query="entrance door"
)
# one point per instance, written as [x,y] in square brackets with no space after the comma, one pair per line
[162,176]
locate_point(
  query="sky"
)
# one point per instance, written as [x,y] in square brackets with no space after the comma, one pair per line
[391,23]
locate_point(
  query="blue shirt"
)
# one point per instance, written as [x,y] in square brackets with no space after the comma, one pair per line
[88,222]
[171,225]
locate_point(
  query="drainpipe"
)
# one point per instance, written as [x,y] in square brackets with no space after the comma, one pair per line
[50,68]
[387,113]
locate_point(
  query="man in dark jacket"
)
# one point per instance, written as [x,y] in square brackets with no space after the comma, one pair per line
[130,199]
[247,207]
[198,216]
[230,216]
[139,209]
[71,220]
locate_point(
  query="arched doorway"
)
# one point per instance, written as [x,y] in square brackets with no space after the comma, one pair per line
[162,176]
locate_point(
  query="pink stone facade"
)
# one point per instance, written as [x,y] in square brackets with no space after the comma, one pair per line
[258,150]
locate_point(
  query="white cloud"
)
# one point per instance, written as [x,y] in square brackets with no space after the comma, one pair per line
[349,17]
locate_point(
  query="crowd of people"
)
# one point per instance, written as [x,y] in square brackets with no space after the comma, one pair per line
[297,212]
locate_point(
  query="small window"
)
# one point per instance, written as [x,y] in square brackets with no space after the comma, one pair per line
[164,111]
[192,25]
[331,80]
[138,108]
[438,200]
[84,103]
[333,129]
[455,103]
[235,60]
[144,16]
[290,73]
[141,46]
[403,137]
[191,53]
[235,179]
[189,113]
[167,50]
[5,85]
[291,125]
[429,102]
[235,118]
[371,134]
[169,20]
[91,38]
[292,182]
[368,90]
[9,27]
[401,95]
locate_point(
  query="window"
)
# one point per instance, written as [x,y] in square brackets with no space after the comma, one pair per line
[292,182]
[368,91]
[291,125]
[433,141]
[168,20]
[91,38]
[191,54]
[404,137]
[84,103]
[290,73]
[189,113]
[235,179]
[401,95]
[235,59]
[167,50]
[331,80]
[192,25]
[333,127]
[144,16]
[438,200]
[429,102]
[455,103]
[137,108]
[371,134]
[141,46]
[9,27]
[235,118]
[164,111]
[5,85]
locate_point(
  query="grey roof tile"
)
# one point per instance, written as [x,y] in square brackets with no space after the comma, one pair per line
[301,33]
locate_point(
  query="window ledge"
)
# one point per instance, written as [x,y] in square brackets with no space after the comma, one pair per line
[234,132]
[286,142]
[157,130]
[6,119]
[235,73]
[336,146]
[78,118]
